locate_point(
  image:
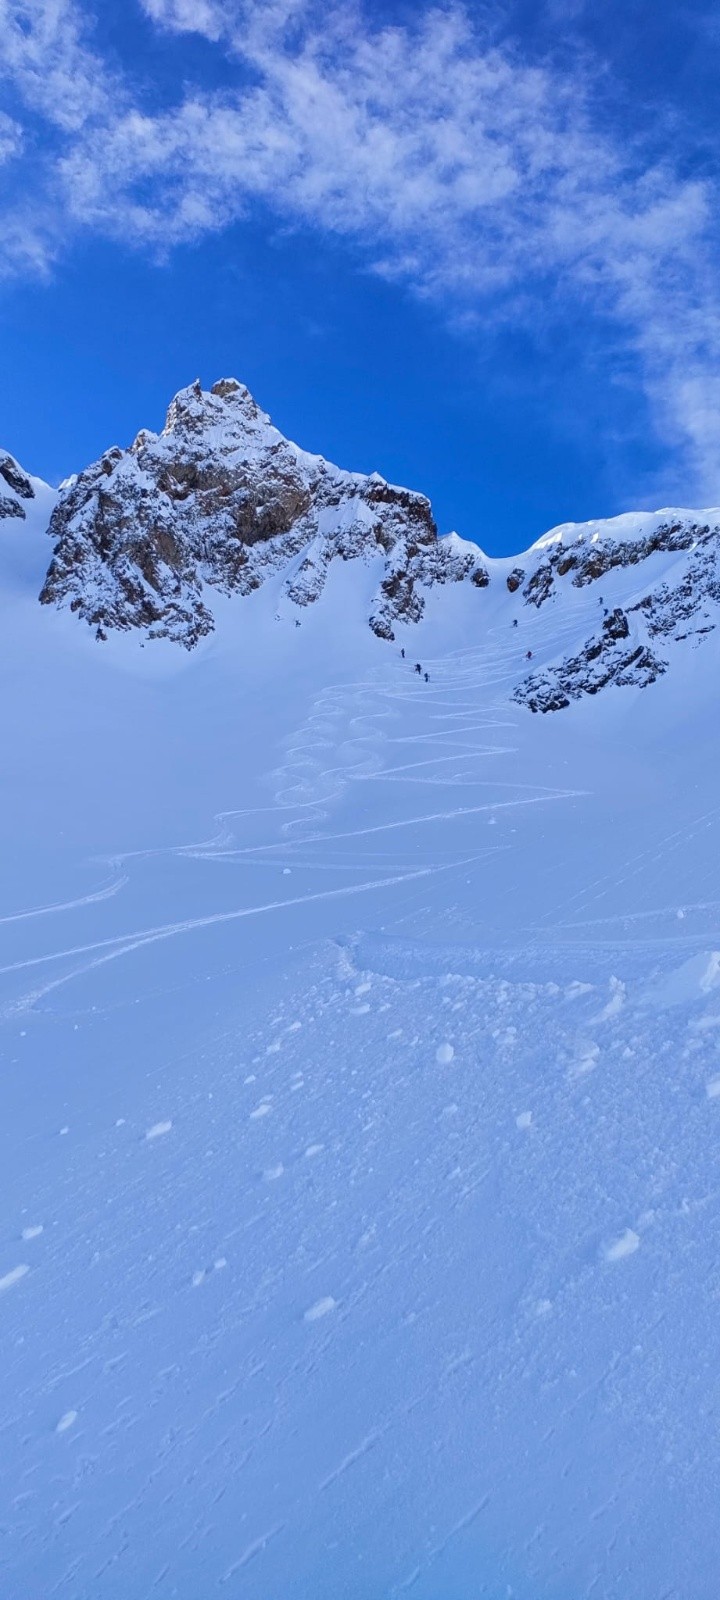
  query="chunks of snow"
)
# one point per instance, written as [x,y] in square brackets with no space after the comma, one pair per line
[626,1245]
[13,1277]
[586,1060]
[444,1054]
[695,978]
[321,1308]
[158,1129]
[575,989]
[615,1003]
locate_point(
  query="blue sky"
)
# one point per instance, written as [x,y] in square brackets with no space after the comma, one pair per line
[472,246]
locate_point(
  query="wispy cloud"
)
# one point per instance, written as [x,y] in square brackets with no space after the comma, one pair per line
[56,86]
[47,58]
[11,138]
[454,166]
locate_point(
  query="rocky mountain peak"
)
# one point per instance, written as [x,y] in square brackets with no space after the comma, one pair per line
[221,500]
[228,404]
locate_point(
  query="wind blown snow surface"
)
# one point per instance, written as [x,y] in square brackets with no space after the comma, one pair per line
[360,1114]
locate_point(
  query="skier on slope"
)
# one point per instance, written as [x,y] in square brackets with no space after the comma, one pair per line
[402,652]
[418,668]
[426,676]
[529,656]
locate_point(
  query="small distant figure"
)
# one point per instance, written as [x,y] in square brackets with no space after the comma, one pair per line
[418,668]
[297,622]
[529,656]
[426,676]
[402,652]
[514,622]
[600,601]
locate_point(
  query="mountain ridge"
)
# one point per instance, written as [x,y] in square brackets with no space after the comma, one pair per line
[146,539]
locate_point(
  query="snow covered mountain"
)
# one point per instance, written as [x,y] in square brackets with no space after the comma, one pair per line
[221,501]
[359,1061]
[149,538]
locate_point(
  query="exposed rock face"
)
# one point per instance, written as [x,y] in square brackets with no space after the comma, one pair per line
[220,500]
[611,657]
[583,564]
[678,606]
[14,479]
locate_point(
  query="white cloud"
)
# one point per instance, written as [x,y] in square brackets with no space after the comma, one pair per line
[243,25]
[187,16]
[46,56]
[455,167]
[11,138]
[57,86]
[28,246]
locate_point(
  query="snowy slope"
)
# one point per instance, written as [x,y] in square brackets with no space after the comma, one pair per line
[26,507]
[360,1103]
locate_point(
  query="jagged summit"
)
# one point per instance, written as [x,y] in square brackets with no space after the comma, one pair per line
[220,500]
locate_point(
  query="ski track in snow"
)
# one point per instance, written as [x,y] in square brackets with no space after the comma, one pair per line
[357,1309]
[365,730]
[105,893]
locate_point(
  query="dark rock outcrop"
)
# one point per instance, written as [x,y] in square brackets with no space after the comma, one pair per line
[610,658]
[9,507]
[680,603]
[584,563]
[13,478]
